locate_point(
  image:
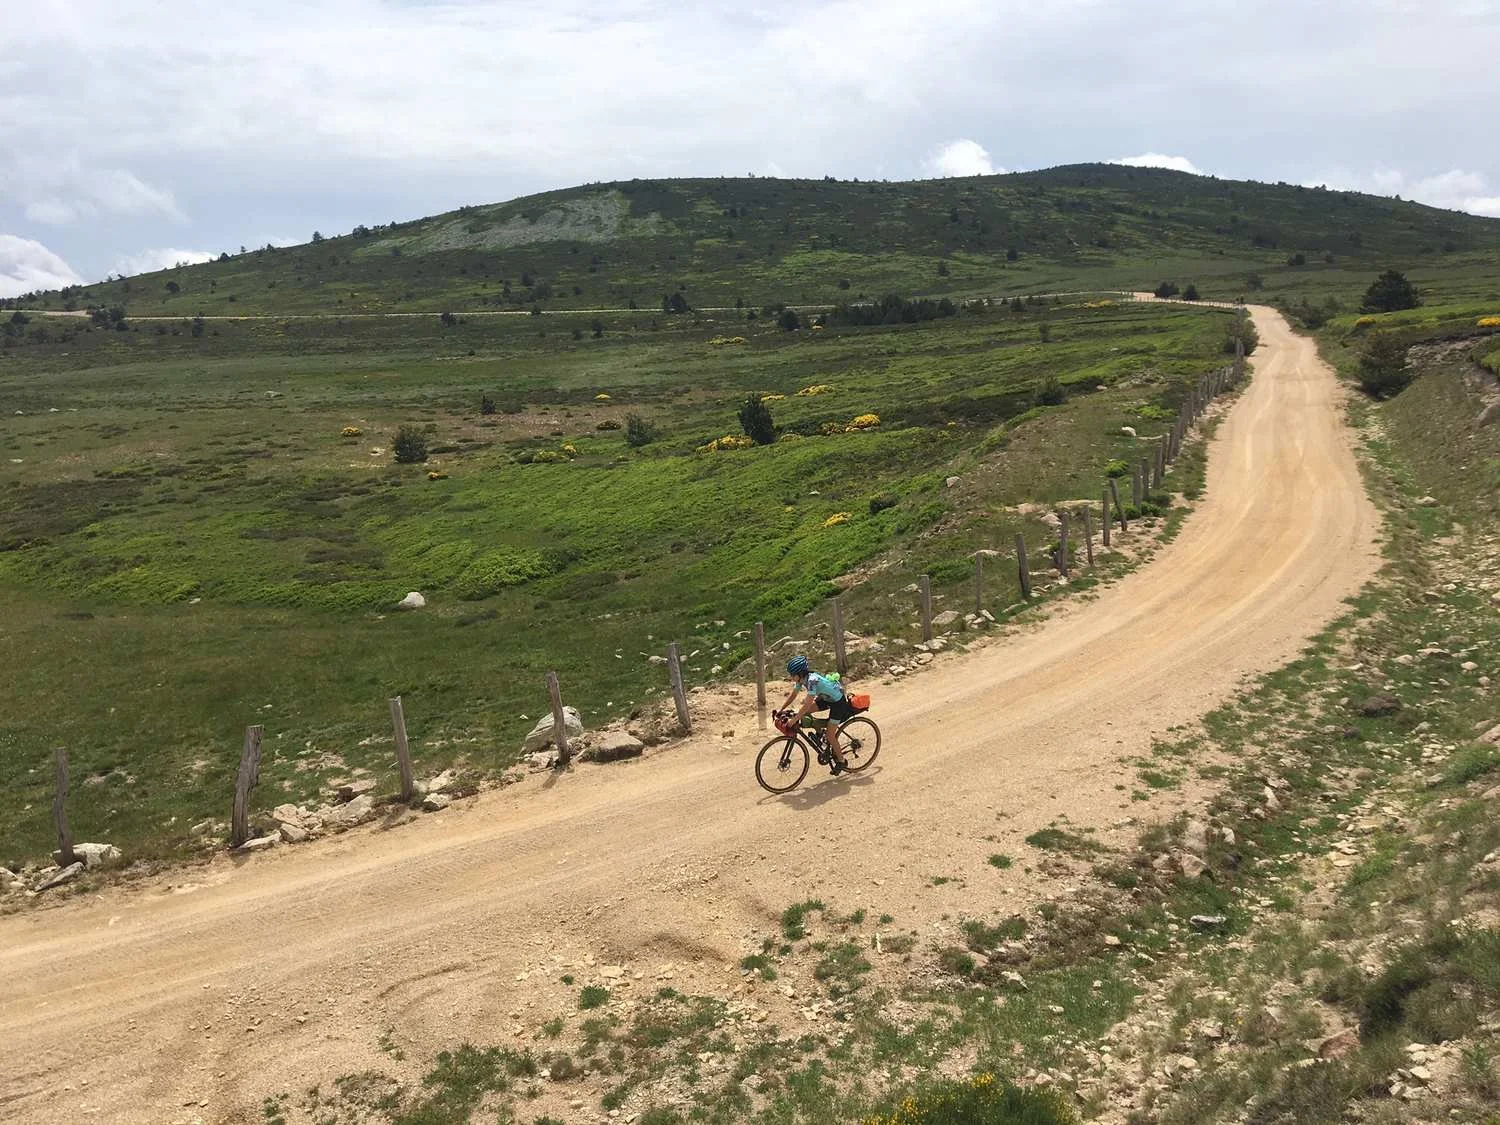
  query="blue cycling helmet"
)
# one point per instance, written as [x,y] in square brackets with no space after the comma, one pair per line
[797,666]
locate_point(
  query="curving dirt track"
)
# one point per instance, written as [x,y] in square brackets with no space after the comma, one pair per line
[281,971]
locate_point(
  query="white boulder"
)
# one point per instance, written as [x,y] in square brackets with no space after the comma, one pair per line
[413,600]
[541,734]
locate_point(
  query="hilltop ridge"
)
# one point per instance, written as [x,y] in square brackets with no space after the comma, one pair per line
[753,241]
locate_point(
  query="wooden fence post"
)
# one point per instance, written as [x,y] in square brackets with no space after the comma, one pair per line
[403,751]
[925,586]
[760,664]
[1135,486]
[1145,479]
[65,856]
[1024,570]
[674,671]
[1114,494]
[1062,542]
[1104,508]
[559,721]
[840,658]
[978,581]
[1088,535]
[1239,357]
[239,819]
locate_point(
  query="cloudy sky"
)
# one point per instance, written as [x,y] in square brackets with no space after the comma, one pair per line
[136,133]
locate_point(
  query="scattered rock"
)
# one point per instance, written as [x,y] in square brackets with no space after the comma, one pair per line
[1191,865]
[356,811]
[292,833]
[616,746]
[413,600]
[348,790]
[952,482]
[58,878]
[1111,941]
[1206,922]
[1195,837]
[1427,501]
[541,734]
[93,855]
[202,828]
[436,802]
[287,814]
[1010,976]
[260,843]
[1337,1046]
[442,782]
[1492,736]
[1128,431]
[1381,703]
[946,618]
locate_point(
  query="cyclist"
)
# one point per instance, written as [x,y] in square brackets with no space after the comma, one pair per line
[822,694]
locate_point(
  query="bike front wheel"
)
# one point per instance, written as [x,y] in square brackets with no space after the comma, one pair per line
[859,739]
[781,764]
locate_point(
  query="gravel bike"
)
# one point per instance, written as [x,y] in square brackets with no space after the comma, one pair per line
[783,762]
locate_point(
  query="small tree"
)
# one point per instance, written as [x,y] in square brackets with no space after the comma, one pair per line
[755,420]
[1051,392]
[1166,289]
[1383,370]
[1190,293]
[486,405]
[1243,330]
[789,321]
[639,431]
[409,446]
[1389,293]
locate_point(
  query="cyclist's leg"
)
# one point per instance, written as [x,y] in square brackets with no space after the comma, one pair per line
[837,714]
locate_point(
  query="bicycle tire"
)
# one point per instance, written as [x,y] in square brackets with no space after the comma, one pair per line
[781,759]
[859,739]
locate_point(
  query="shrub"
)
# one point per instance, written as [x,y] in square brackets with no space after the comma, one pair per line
[981,1100]
[1383,370]
[1166,289]
[1243,330]
[1388,293]
[351,431]
[639,431]
[880,503]
[409,446]
[1488,322]
[608,424]
[593,996]
[864,422]
[1051,392]
[836,519]
[1116,468]
[815,389]
[789,321]
[756,421]
[486,405]
[1190,293]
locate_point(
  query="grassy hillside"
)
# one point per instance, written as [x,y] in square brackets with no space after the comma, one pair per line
[752,242]
[189,541]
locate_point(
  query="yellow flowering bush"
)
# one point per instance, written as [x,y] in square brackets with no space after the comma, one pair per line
[789,437]
[981,1100]
[772,398]
[437,474]
[1366,321]
[836,519]
[815,389]
[570,450]
[351,431]
[720,341]
[601,397]
[1488,322]
[829,428]
[865,422]
[728,441]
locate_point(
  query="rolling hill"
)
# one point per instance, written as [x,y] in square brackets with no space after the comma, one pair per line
[753,242]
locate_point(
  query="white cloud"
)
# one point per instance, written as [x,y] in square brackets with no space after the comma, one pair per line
[1161,160]
[149,261]
[26,265]
[1453,190]
[64,190]
[962,157]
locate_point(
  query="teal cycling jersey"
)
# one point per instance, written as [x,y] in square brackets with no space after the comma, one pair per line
[827,691]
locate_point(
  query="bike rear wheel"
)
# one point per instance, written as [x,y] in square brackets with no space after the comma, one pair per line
[781,764]
[859,739]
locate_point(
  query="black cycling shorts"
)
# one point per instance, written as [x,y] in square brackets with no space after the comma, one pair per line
[841,709]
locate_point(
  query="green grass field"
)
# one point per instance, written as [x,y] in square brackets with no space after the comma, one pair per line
[189,544]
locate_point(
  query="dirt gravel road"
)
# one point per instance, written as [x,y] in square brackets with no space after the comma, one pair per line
[193,996]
